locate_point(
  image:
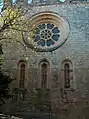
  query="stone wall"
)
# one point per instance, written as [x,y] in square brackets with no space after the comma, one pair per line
[72,103]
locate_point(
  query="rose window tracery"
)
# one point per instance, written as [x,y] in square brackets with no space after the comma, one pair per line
[47,31]
[46,34]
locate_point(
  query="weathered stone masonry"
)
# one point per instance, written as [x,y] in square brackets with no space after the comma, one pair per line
[75,100]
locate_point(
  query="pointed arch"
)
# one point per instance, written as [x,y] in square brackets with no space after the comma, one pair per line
[67,68]
[22,73]
[44,74]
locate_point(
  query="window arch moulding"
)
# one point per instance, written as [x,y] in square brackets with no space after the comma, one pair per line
[67,70]
[22,74]
[44,79]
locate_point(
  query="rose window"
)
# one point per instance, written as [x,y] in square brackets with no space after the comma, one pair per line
[47,31]
[46,34]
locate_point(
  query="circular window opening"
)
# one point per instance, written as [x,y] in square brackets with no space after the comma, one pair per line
[49,31]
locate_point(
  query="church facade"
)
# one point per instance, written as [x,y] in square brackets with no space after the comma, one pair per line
[58,65]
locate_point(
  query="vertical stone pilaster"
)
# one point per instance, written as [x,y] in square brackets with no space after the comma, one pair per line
[61,79]
[26,78]
[49,77]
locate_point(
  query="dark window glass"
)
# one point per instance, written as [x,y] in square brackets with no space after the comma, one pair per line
[50,42]
[67,75]
[37,38]
[55,30]
[55,37]
[41,42]
[42,26]
[22,76]
[50,26]
[44,75]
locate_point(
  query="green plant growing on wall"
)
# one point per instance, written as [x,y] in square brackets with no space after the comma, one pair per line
[14,24]
[12,19]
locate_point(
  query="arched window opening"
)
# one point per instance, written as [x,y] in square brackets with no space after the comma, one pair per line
[22,75]
[67,67]
[67,75]
[44,75]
